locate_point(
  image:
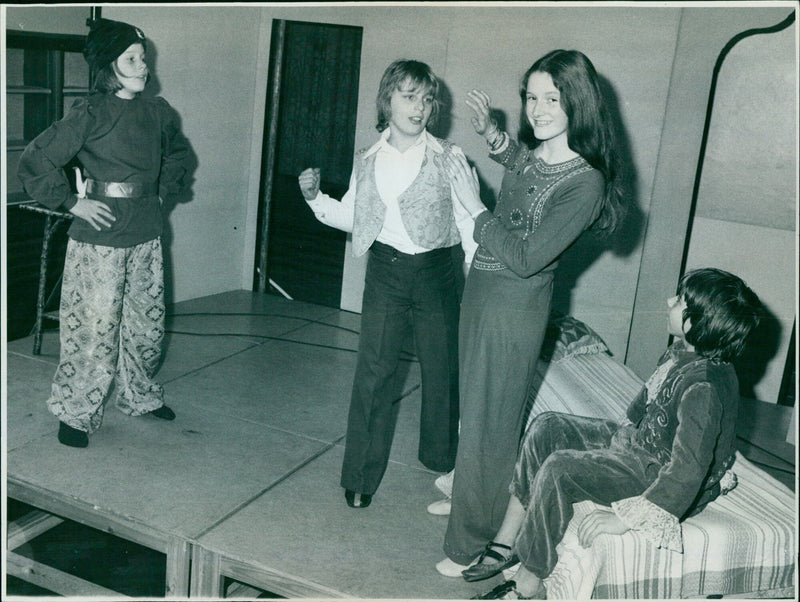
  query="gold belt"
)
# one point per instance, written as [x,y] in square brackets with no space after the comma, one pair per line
[120,190]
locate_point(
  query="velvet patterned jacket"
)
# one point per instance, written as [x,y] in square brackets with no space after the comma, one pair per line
[685,418]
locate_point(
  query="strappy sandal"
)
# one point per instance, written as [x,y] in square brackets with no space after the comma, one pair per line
[484,570]
[508,591]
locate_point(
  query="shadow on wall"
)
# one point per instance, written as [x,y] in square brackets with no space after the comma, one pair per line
[441,129]
[761,348]
[624,241]
[170,202]
[444,118]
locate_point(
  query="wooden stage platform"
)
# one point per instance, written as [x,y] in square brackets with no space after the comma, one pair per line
[244,484]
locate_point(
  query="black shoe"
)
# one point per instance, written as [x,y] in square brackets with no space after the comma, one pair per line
[72,437]
[508,591]
[483,570]
[163,412]
[364,499]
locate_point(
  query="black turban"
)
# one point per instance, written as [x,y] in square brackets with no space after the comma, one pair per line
[107,40]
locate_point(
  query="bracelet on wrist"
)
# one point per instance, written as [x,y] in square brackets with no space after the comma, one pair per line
[497,142]
[492,139]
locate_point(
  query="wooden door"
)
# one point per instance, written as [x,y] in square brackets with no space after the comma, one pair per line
[311,116]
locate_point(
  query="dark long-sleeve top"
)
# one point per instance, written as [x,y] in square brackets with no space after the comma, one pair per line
[116,140]
[686,419]
[541,210]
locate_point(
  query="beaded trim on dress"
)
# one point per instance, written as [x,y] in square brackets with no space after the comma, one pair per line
[563,171]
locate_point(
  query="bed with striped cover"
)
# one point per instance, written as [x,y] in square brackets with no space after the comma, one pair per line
[743,544]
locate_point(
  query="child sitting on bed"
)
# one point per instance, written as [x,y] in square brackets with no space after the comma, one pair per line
[666,463]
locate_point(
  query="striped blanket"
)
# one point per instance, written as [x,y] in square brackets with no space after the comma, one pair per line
[742,543]
[593,385]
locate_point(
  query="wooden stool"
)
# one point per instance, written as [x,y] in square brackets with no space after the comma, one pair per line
[53,219]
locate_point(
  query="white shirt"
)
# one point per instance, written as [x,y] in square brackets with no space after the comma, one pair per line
[394,173]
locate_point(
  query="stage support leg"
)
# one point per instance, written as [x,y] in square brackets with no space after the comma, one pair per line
[178,557]
[206,578]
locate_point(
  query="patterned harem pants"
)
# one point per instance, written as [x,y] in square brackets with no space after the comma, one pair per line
[112,327]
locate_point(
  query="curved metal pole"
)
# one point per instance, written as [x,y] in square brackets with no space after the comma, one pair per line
[709,112]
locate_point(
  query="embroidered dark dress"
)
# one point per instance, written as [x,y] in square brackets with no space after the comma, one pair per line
[542,209]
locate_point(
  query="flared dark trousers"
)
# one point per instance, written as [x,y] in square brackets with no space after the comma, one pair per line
[403,293]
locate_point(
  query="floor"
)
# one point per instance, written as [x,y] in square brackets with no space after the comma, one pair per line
[249,469]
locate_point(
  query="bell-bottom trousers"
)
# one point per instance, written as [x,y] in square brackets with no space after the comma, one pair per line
[401,293]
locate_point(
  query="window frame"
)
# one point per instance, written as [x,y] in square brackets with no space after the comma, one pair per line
[51,86]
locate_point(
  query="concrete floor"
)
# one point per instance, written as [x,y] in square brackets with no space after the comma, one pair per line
[250,467]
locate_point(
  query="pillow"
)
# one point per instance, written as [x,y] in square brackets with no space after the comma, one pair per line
[566,337]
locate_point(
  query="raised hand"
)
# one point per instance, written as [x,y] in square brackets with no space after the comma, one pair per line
[481,105]
[309,183]
[464,180]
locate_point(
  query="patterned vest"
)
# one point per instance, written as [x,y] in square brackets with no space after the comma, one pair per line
[426,206]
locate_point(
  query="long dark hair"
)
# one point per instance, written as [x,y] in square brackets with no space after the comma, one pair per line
[589,129]
[722,311]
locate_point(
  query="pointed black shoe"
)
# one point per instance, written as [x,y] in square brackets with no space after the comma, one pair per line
[72,437]
[364,499]
[163,412]
[508,591]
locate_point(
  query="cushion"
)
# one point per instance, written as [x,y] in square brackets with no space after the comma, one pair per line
[567,337]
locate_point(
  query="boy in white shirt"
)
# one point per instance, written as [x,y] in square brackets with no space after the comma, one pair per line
[400,208]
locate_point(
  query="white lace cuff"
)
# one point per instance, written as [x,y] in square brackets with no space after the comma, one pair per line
[728,482]
[661,528]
